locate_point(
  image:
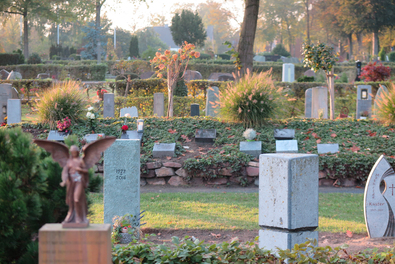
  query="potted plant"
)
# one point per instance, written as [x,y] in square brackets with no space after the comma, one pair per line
[64,126]
[124,229]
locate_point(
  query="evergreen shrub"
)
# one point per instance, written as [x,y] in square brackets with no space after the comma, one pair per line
[34,59]
[391,56]
[279,49]
[9,59]
[382,54]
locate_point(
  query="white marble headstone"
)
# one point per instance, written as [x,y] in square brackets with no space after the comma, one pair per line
[327,148]
[132,111]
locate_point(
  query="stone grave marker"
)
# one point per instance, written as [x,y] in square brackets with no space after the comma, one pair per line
[192,75]
[319,103]
[147,75]
[364,100]
[379,206]
[108,105]
[259,58]
[308,94]
[288,72]
[380,93]
[309,73]
[215,75]
[56,135]
[195,110]
[132,111]
[14,76]
[283,134]
[14,111]
[43,76]
[93,137]
[122,180]
[327,148]
[225,78]
[205,135]
[5,94]
[286,146]
[212,108]
[132,134]
[14,93]
[164,150]
[253,148]
[159,104]
[288,215]
[4,74]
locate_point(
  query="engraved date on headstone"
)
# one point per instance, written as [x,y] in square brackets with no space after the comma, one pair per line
[121,174]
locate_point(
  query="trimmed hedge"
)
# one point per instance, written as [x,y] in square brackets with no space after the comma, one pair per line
[140,88]
[29,87]
[10,59]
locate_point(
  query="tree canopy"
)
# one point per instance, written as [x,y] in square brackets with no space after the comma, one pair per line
[188,27]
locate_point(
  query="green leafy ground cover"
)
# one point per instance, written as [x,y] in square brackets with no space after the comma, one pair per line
[337,212]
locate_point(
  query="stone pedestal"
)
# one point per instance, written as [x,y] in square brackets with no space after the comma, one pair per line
[288,199]
[288,72]
[91,245]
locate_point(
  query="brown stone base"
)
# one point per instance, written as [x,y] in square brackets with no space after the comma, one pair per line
[75,225]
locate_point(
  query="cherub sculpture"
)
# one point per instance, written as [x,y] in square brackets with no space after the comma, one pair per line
[75,174]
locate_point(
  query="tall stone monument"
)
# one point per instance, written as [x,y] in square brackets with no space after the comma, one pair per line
[288,203]
[308,102]
[159,104]
[108,105]
[212,108]
[14,111]
[364,100]
[288,72]
[319,102]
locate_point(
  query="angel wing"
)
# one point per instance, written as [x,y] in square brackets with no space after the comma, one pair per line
[92,151]
[59,151]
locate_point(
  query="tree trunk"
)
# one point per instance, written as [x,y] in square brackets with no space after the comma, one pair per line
[359,40]
[289,37]
[331,87]
[307,22]
[350,46]
[98,48]
[25,36]
[247,35]
[170,88]
[375,43]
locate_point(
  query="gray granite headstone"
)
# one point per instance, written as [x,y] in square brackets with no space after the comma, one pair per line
[93,137]
[259,58]
[159,104]
[288,199]
[14,76]
[164,150]
[364,100]
[286,146]
[379,206]
[147,75]
[122,180]
[253,148]
[4,74]
[14,111]
[225,78]
[308,102]
[132,134]
[288,72]
[319,102]
[56,135]
[5,94]
[381,92]
[309,73]
[43,76]
[195,110]
[132,111]
[15,94]
[205,135]
[108,105]
[327,148]
[212,107]
[284,134]
[192,75]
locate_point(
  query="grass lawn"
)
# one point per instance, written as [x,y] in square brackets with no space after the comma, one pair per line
[338,212]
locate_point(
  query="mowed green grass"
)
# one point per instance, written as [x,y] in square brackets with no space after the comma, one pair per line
[338,212]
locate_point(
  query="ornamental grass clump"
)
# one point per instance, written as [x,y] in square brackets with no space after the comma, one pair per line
[250,101]
[385,111]
[63,100]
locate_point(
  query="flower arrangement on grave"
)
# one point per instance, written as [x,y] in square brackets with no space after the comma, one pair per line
[63,126]
[123,230]
[365,114]
[124,128]
[92,117]
[249,134]
[4,123]
[101,92]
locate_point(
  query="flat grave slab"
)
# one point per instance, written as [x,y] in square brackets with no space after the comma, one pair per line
[56,135]
[205,135]
[253,148]
[164,150]
[132,134]
[327,148]
[286,146]
[284,133]
[93,137]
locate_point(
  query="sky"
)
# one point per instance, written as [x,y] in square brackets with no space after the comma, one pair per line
[134,16]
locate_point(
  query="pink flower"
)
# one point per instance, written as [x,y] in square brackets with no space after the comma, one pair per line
[239,110]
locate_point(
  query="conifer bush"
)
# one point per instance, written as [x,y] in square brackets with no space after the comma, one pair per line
[251,100]
[63,100]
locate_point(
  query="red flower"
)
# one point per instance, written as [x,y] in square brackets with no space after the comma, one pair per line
[124,127]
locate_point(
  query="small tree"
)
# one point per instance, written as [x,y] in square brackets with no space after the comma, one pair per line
[321,57]
[188,27]
[173,65]
[134,47]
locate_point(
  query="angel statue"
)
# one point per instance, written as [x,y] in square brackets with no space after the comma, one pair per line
[75,174]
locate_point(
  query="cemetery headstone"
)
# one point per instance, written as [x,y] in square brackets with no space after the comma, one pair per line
[14,76]
[132,134]
[132,111]
[147,75]
[164,150]
[159,104]
[56,135]
[380,92]
[319,104]
[212,108]
[283,134]
[4,74]
[14,93]
[288,215]
[253,148]
[205,135]
[122,180]
[225,78]
[192,75]
[286,146]
[14,111]
[308,102]
[364,100]
[259,58]
[43,76]
[379,206]
[309,73]
[5,94]
[358,64]
[195,110]
[327,148]
[93,137]
[108,105]
[215,75]
[288,72]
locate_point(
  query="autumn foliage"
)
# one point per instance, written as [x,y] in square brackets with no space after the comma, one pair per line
[375,73]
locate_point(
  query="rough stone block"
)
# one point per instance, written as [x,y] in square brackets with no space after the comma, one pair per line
[153,165]
[163,150]
[156,181]
[164,172]
[149,174]
[182,172]
[273,239]
[91,245]
[252,171]
[226,172]
[253,164]
[143,182]
[253,148]
[217,181]
[172,165]
[177,181]
[288,191]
